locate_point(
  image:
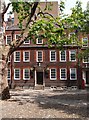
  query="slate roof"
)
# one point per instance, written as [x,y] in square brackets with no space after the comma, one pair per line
[13,27]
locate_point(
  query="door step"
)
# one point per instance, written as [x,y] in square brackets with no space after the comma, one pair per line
[39,87]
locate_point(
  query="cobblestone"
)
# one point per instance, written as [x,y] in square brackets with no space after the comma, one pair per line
[29,103]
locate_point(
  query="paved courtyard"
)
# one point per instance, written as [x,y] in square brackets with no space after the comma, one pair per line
[60,104]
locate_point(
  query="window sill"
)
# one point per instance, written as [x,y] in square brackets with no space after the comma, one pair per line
[26,79]
[63,79]
[73,79]
[53,79]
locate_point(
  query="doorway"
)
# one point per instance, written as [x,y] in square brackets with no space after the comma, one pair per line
[87,77]
[40,78]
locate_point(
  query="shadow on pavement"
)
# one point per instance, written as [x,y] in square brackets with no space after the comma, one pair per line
[71,103]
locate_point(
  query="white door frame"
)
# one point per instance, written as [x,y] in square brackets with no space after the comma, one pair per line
[84,75]
[36,77]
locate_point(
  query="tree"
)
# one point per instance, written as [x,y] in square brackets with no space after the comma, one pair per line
[38,24]
[78,22]
[3,49]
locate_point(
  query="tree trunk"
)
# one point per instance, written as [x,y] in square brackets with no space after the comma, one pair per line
[4,89]
[4,85]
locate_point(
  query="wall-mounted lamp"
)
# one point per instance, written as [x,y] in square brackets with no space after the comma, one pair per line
[47,72]
[86,65]
[32,72]
[39,63]
[31,68]
[47,68]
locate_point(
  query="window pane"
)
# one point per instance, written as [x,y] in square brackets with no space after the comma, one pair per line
[27,41]
[39,40]
[63,55]
[63,73]
[72,55]
[86,59]
[17,36]
[26,56]
[17,73]
[73,73]
[26,74]
[53,74]
[8,77]
[17,56]
[72,37]
[85,41]
[8,40]
[53,55]
[39,55]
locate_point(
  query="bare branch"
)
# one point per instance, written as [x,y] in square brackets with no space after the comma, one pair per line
[5,10]
[32,12]
[46,13]
[16,45]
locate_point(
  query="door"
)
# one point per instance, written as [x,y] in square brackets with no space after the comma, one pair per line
[40,78]
[87,77]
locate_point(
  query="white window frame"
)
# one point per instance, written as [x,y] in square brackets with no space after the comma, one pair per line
[15,36]
[70,34]
[55,56]
[75,74]
[70,55]
[84,75]
[38,42]
[61,55]
[6,38]
[15,56]
[37,56]
[86,61]
[86,45]
[9,73]
[19,74]
[55,74]
[24,74]
[24,56]
[65,74]
[9,59]
[27,43]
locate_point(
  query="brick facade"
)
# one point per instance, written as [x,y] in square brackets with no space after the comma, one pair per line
[46,72]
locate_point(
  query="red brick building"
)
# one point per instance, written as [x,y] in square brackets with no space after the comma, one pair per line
[34,64]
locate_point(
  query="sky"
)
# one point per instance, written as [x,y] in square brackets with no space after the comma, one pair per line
[71,3]
[68,5]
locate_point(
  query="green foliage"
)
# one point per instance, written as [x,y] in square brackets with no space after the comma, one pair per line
[50,28]
[47,30]
[45,25]
[62,6]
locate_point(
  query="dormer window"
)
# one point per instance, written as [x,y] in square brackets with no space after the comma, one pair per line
[8,39]
[86,59]
[85,41]
[71,34]
[72,37]
[39,40]
[27,41]
[17,36]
